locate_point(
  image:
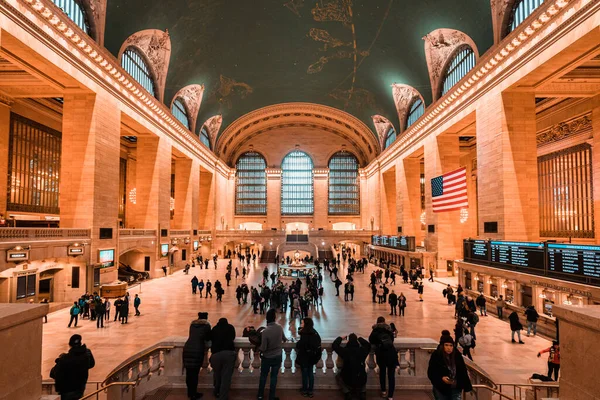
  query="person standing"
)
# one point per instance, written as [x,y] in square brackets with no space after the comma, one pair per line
[515,326]
[195,285]
[124,314]
[70,373]
[223,357]
[402,303]
[382,337]
[74,312]
[201,287]
[420,291]
[430,274]
[164,268]
[100,310]
[118,305]
[107,309]
[481,301]
[353,376]
[467,341]
[193,353]
[393,300]
[308,354]
[447,371]
[532,319]
[136,304]
[500,304]
[270,348]
[553,359]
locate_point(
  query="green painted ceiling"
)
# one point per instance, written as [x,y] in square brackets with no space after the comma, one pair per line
[254,53]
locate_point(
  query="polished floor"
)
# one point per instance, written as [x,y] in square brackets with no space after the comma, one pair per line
[168,306]
[180,394]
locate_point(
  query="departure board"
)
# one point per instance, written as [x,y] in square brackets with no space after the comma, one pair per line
[574,259]
[375,240]
[518,254]
[477,250]
[406,243]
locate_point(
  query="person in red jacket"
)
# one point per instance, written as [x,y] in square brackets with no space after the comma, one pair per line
[553,359]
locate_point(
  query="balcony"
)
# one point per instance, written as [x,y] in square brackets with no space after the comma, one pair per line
[136,233]
[27,235]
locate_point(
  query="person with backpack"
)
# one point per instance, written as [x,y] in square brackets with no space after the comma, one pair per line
[308,354]
[70,373]
[353,376]
[472,320]
[467,342]
[272,339]
[223,356]
[393,300]
[382,337]
[74,312]
[480,302]
[553,359]
[447,371]
[193,353]
[532,319]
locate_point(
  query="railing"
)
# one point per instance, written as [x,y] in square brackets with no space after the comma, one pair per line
[253,233]
[181,232]
[204,232]
[40,234]
[162,365]
[137,233]
[359,233]
[105,389]
[91,386]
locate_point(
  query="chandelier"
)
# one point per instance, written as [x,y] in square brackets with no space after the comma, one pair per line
[423,218]
[464,215]
[133,196]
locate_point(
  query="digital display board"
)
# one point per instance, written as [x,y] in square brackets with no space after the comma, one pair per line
[195,245]
[405,243]
[164,249]
[572,259]
[106,258]
[479,250]
[518,254]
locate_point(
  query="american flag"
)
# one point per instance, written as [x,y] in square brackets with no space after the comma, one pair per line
[449,191]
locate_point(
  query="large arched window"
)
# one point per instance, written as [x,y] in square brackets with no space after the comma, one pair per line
[461,64]
[179,111]
[204,138]
[390,138]
[297,196]
[416,110]
[344,189]
[251,185]
[136,66]
[521,10]
[75,12]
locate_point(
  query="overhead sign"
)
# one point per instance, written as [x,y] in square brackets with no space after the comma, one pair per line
[17,255]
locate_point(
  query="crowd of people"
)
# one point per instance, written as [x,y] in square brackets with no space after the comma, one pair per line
[95,308]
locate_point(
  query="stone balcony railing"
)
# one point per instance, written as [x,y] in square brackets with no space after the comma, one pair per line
[136,233]
[161,365]
[245,233]
[348,234]
[23,235]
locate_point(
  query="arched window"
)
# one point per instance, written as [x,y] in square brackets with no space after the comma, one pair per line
[136,66]
[390,138]
[344,189]
[179,111]
[204,138]
[416,110]
[75,13]
[461,64]
[521,10]
[297,196]
[251,185]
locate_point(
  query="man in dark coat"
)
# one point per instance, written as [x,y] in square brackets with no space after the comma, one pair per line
[352,377]
[223,357]
[70,373]
[393,300]
[515,326]
[386,355]
[193,353]
[447,371]
[124,313]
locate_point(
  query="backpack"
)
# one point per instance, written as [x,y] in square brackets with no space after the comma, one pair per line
[465,340]
[387,341]
[74,310]
[253,335]
[475,319]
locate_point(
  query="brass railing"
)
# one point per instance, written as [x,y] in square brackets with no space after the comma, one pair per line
[104,389]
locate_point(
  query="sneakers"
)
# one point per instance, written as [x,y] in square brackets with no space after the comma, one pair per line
[514,341]
[384,394]
[521,342]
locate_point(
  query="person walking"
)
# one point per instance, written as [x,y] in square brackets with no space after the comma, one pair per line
[208,288]
[194,285]
[393,300]
[308,354]
[223,357]
[402,303]
[515,326]
[74,312]
[201,287]
[382,337]
[430,274]
[164,268]
[136,304]
[480,302]
[353,376]
[553,359]
[100,310]
[532,319]
[420,291]
[193,353]
[447,371]
[124,314]
[500,305]
[270,348]
[71,371]
[467,342]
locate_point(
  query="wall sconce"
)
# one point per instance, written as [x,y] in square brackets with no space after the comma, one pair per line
[490,281]
[476,278]
[543,295]
[187,240]
[504,285]
[569,300]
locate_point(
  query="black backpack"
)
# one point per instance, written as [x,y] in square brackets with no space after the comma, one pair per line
[253,335]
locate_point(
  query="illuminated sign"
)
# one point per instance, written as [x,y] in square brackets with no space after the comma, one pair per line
[195,245]
[106,258]
[75,250]
[164,250]
[17,255]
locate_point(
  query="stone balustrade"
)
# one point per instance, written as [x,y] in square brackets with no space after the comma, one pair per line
[161,365]
[180,232]
[42,234]
[137,233]
[332,233]
[253,233]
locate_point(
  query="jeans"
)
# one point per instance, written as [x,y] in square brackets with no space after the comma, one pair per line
[402,311]
[531,326]
[222,363]
[191,381]
[499,310]
[553,368]
[518,334]
[455,395]
[393,310]
[100,321]
[73,318]
[391,377]
[308,379]
[483,310]
[268,365]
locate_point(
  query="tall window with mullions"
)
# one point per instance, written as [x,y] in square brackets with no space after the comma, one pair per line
[462,62]
[251,185]
[297,190]
[179,111]
[521,10]
[415,111]
[344,187]
[135,64]
[75,12]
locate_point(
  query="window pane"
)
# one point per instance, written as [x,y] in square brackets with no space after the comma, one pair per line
[21,287]
[522,9]
[391,137]
[344,189]
[180,112]
[136,66]
[297,196]
[415,112]
[75,13]
[204,137]
[460,65]
[251,185]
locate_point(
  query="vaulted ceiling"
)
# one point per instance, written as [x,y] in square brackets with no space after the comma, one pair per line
[340,53]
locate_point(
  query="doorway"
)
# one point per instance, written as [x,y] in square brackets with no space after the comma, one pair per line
[45,289]
[147,264]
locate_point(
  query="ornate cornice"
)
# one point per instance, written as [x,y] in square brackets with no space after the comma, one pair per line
[564,130]
[6,100]
[403,98]
[156,46]
[382,127]
[192,97]
[500,12]
[213,126]
[96,11]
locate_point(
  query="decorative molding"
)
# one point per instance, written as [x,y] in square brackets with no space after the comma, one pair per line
[500,17]
[96,13]
[403,98]
[156,46]
[192,97]
[382,127]
[440,46]
[213,126]
[564,130]
[6,100]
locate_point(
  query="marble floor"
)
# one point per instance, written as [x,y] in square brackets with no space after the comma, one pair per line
[180,394]
[168,306]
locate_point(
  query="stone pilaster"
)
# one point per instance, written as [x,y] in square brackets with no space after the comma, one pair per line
[5,105]
[321,198]
[595,165]
[130,184]
[273,198]
[185,181]
[206,202]
[507,166]
[408,201]
[388,202]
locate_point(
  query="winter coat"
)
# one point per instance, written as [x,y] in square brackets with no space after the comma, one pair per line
[515,324]
[71,370]
[222,337]
[195,346]
[308,348]
[385,355]
[438,369]
[393,299]
[532,315]
[353,356]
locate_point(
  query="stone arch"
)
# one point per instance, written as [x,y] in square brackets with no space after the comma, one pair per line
[404,95]
[213,126]
[382,126]
[191,96]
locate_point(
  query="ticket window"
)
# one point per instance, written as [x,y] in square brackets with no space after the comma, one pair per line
[509,296]
[468,280]
[494,290]
[526,296]
[26,286]
[480,286]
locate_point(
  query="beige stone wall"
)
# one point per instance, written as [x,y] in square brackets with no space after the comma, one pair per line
[388,202]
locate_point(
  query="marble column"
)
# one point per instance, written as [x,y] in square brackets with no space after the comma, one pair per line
[408,203]
[273,198]
[186,193]
[321,198]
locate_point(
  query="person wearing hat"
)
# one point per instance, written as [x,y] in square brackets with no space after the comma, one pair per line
[353,376]
[193,353]
[447,371]
[70,373]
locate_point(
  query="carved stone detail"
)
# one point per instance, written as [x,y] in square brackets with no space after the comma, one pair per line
[213,126]
[440,45]
[192,97]
[6,100]
[156,46]
[500,11]
[382,126]
[96,11]
[403,98]
[564,130]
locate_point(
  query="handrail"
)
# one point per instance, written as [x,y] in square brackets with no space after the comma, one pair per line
[104,388]
[491,389]
[135,359]
[477,370]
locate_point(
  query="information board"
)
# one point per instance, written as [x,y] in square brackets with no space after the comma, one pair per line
[574,259]
[518,254]
[406,243]
[477,250]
